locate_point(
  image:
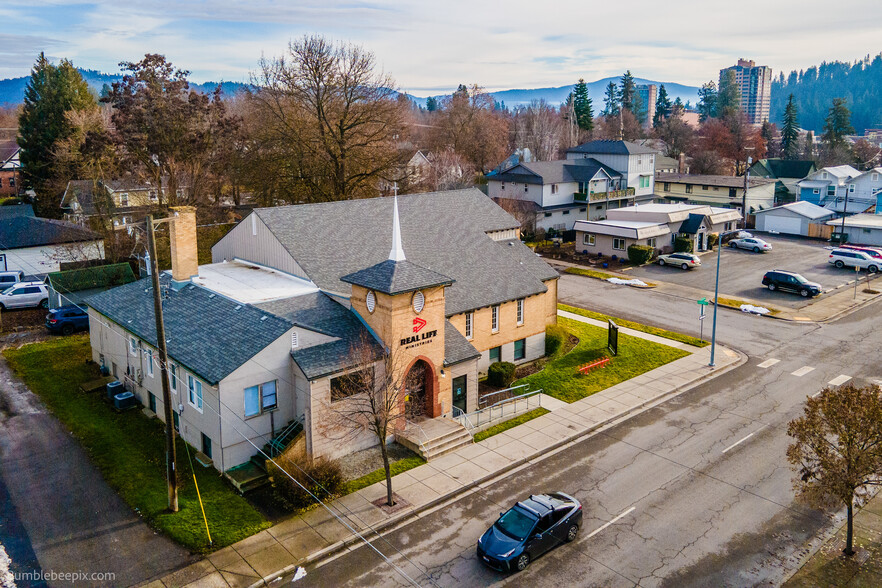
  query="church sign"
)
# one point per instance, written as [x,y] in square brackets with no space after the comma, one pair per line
[418,338]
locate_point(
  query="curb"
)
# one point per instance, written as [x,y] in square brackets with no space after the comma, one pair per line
[535,456]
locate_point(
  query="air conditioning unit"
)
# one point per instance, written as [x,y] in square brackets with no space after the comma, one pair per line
[114,388]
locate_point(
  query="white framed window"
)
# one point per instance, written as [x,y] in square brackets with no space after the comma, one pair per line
[520,311]
[148,360]
[124,199]
[618,244]
[554,188]
[589,239]
[173,377]
[651,242]
[494,319]
[194,392]
[875,177]
[818,191]
[526,187]
[469,320]
[152,194]
[133,346]
[502,186]
[260,398]
[824,176]
[851,188]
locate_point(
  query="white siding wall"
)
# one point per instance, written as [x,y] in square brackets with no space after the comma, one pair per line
[564,194]
[262,248]
[866,186]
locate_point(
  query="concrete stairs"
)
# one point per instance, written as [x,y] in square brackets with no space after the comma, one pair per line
[433,438]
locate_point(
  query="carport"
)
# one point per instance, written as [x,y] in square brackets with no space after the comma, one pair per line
[791,219]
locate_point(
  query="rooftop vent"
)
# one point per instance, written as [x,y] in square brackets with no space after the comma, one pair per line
[238,306]
[210,296]
[294,341]
[264,317]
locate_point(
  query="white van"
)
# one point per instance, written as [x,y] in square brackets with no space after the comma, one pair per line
[9,278]
[854,258]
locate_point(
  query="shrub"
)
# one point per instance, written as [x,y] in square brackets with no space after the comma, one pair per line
[322,477]
[682,244]
[554,339]
[712,240]
[501,373]
[640,254]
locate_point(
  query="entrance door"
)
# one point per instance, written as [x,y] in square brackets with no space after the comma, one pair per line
[460,392]
[415,391]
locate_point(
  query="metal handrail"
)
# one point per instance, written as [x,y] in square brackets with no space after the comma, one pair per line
[462,415]
[502,391]
[275,444]
[420,429]
[474,418]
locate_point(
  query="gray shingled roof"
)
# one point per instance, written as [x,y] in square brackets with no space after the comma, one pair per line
[205,333]
[16,210]
[318,312]
[28,231]
[396,277]
[608,147]
[445,232]
[456,347]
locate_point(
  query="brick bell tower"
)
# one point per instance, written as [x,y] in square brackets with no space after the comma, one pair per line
[403,303]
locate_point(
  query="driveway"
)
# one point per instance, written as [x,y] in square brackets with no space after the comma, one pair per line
[57,514]
[742,271]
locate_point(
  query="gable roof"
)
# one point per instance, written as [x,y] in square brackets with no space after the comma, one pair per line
[802,208]
[444,232]
[712,180]
[12,210]
[8,149]
[691,225]
[28,231]
[208,334]
[102,276]
[456,347]
[608,147]
[556,172]
[784,168]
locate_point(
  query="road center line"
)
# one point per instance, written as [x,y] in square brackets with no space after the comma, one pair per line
[768,363]
[740,441]
[802,371]
[599,529]
[839,380]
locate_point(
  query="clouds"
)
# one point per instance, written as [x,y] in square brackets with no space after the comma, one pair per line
[432,47]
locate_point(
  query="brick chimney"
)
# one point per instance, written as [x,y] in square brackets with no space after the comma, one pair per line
[185,263]
[681,164]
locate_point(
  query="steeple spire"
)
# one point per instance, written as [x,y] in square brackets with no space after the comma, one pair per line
[397,252]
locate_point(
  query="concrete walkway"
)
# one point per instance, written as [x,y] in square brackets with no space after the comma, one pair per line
[260,559]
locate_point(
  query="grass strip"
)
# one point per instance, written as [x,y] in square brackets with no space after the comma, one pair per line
[580,271]
[562,380]
[689,340]
[519,420]
[736,304]
[402,465]
[129,449]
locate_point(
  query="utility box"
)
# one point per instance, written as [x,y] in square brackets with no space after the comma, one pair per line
[114,388]
[124,401]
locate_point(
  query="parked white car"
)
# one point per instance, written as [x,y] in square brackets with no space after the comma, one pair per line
[25,295]
[854,258]
[754,244]
[681,260]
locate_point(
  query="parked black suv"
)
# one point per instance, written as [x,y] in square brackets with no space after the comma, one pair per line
[784,280]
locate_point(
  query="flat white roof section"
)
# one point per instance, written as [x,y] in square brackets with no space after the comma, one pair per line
[250,283]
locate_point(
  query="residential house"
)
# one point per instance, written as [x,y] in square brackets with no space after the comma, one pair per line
[557,193]
[38,246]
[827,187]
[122,201]
[720,191]
[635,162]
[264,335]
[74,286]
[10,168]
[794,218]
[654,225]
[786,171]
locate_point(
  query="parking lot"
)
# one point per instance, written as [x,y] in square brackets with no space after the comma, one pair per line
[742,271]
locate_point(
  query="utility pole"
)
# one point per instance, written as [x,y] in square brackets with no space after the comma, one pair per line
[744,196]
[844,214]
[170,455]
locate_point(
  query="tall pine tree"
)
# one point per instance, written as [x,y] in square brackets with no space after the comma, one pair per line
[627,91]
[729,96]
[611,100]
[790,131]
[663,106]
[837,124]
[707,101]
[582,106]
[51,92]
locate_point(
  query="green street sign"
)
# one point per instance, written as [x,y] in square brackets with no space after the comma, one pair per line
[703,302]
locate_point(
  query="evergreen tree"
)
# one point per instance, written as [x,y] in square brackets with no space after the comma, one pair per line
[627,91]
[582,106]
[728,98]
[611,100]
[707,101]
[790,131]
[808,150]
[638,109]
[431,104]
[837,124]
[51,92]
[678,108]
[663,106]
[768,132]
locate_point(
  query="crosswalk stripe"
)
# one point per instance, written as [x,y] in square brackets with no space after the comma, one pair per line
[802,371]
[768,363]
[839,380]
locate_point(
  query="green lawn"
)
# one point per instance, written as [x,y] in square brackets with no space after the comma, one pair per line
[129,449]
[402,465]
[636,356]
[636,326]
[520,420]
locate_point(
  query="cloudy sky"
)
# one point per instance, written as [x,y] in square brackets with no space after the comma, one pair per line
[430,47]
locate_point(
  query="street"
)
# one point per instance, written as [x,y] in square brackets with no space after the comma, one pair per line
[693,492]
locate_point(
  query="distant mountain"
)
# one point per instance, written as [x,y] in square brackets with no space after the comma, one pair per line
[596,90]
[12,90]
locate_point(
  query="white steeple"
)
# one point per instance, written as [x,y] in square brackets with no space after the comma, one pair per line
[397,252]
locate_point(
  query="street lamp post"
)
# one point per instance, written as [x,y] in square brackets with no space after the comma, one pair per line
[717,294]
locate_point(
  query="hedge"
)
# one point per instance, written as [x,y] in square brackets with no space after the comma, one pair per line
[640,254]
[682,244]
[501,373]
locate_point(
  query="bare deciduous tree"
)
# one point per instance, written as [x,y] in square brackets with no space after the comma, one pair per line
[837,448]
[539,128]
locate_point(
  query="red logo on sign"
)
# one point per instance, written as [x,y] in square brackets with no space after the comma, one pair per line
[418,324]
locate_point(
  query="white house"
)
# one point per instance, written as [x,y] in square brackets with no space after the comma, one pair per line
[793,218]
[635,162]
[38,246]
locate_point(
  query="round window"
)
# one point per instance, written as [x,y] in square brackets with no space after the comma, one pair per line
[418,302]
[371,301]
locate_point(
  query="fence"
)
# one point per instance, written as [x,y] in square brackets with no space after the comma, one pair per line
[500,411]
[819,231]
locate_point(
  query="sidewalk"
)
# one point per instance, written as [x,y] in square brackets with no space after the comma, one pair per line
[266,556]
[829,567]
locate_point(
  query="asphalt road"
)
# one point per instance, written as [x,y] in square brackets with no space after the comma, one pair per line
[697,489]
[742,271]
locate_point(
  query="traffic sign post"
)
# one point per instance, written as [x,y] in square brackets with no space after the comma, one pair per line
[701,304]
